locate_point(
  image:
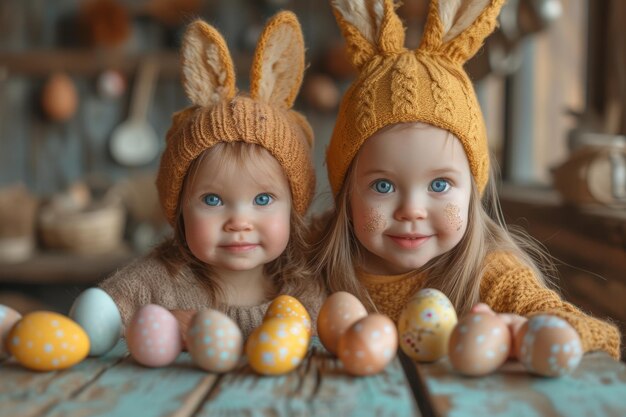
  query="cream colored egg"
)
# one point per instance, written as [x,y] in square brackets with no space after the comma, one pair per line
[479,344]
[278,345]
[153,336]
[8,317]
[368,345]
[47,341]
[288,306]
[425,324]
[548,346]
[339,312]
[215,341]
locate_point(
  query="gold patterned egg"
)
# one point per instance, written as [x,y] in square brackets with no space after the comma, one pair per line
[425,325]
[47,341]
[288,306]
[278,345]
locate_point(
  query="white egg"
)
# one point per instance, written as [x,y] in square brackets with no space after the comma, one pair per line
[96,312]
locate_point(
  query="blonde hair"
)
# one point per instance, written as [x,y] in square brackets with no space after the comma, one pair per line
[289,272]
[457,273]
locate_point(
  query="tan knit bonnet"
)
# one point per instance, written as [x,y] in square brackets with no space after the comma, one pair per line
[396,85]
[220,114]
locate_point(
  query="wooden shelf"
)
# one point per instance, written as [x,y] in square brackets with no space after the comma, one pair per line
[84,62]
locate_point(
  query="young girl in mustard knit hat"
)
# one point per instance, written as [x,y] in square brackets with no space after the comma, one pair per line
[408,164]
[235,180]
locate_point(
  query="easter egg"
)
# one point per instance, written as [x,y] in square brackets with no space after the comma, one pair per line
[278,345]
[215,342]
[153,336]
[479,344]
[339,312]
[288,306]
[59,98]
[47,341]
[8,317]
[368,345]
[96,312]
[548,346]
[425,325]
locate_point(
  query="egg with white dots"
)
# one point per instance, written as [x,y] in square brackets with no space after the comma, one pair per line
[479,344]
[425,324]
[47,341]
[215,342]
[368,345]
[153,336]
[338,313]
[98,315]
[548,346]
[288,306]
[8,317]
[278,345]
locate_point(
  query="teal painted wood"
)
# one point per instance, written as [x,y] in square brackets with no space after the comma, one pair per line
[27,393]
[129,389]
[596,388]
[319,387]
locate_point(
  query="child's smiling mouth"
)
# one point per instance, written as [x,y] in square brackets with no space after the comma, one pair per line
[409,241]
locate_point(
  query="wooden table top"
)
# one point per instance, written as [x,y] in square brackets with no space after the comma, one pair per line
[115,385]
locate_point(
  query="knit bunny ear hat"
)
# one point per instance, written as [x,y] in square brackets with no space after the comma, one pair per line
[396,85]
[220,114]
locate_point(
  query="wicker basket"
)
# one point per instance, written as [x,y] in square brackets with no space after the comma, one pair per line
[96,229]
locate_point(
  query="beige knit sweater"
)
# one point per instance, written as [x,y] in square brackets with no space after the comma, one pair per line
[147,281]
[507,286]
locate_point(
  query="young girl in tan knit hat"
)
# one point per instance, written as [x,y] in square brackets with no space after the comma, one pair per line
[408,163]
[235,180]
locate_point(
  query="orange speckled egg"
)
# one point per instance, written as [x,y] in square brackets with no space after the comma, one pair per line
[479,344]
[47,341]
[425,325]
[153,336]
[215,341]
[8,317]
[548,346]
[278,345]
[368,345]
[288,306]
[338,313]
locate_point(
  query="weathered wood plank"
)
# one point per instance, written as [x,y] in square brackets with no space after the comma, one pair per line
[318,387]
[27,393]
[129,389]
[597,387]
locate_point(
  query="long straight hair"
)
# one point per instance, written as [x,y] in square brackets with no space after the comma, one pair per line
[289,272]
[457,273]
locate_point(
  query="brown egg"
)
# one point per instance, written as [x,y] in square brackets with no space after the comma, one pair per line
[59,98]
[548,346]
[338,313]
[479,344]
[368,345]
[320,92]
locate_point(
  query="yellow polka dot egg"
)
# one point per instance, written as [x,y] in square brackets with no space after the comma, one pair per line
[47,341]
[278,345]
[288,306]
[425,325]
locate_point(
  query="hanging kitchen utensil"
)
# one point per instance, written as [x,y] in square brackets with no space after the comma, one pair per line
[134,142]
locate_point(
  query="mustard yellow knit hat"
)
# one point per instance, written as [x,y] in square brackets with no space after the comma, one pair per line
[220,114]
[395,85]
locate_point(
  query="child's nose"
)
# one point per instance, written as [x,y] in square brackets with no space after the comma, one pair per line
[410,209]
[238,222]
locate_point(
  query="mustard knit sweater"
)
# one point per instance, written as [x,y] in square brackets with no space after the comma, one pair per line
[507,287]
[147,281]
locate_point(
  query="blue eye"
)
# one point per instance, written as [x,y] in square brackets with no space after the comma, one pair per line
[212,200]
[439,185]
[383,186]
[263,199]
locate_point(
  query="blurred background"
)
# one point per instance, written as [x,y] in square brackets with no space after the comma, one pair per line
[87,90]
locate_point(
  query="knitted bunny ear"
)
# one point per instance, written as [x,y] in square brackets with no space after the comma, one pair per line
[371,27]
[278,64]
[208,72]
[457,28]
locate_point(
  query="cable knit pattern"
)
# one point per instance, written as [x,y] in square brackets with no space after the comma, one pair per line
[507,286]
[146,281]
